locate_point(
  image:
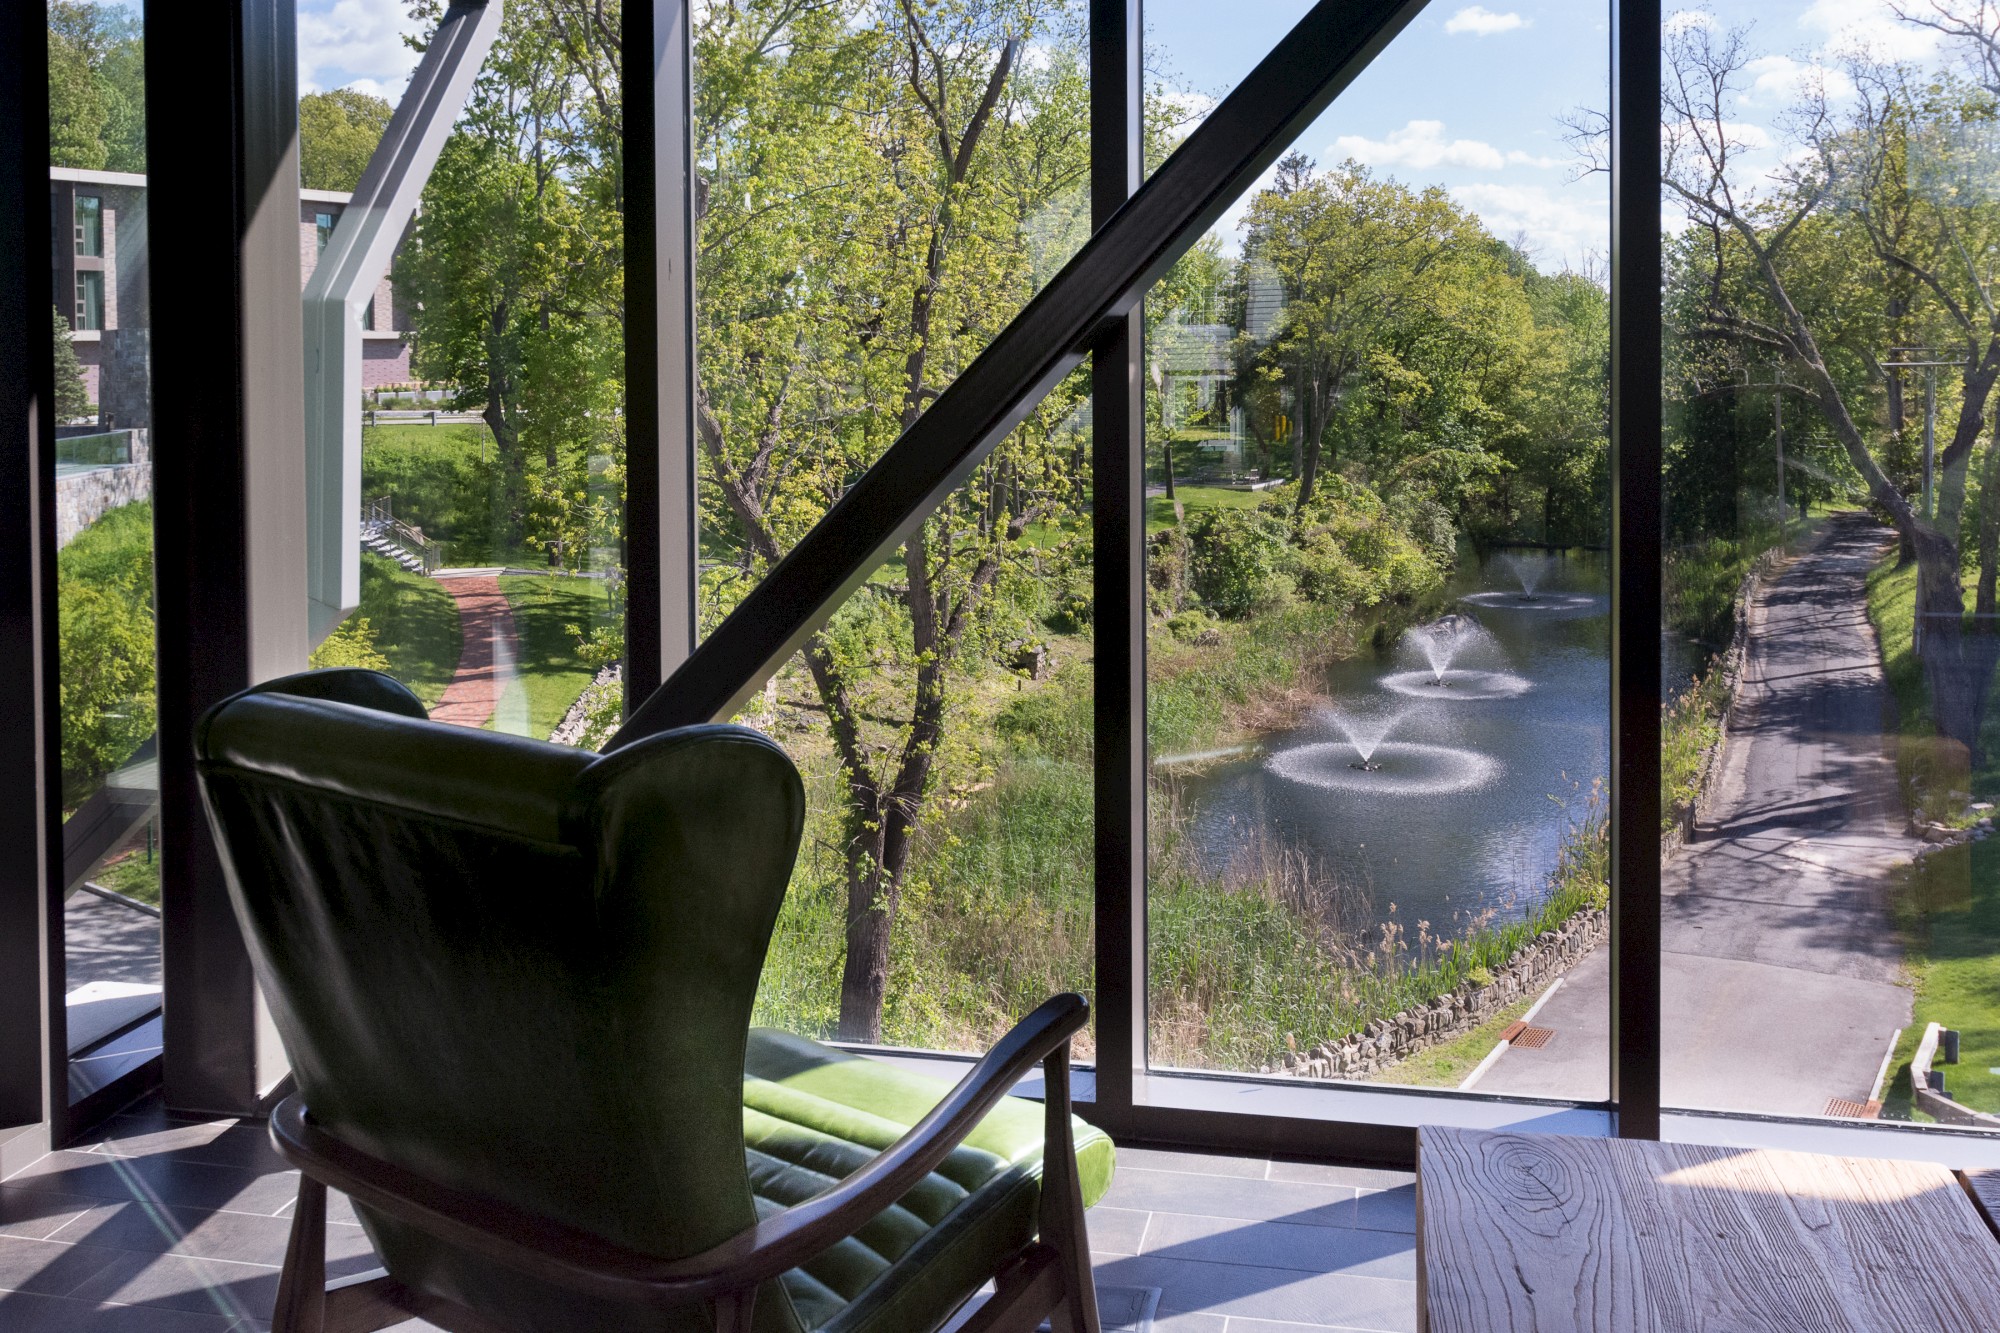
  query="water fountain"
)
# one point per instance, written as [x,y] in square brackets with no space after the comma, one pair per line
[1441,645]
[1530,573]
[1365,732]
[1365,759]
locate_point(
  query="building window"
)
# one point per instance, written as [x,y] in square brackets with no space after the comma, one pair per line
[90,226]
[90,299]
[323,227]
[368,316]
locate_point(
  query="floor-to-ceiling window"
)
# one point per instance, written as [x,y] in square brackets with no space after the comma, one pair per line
[879,189]
[492,389]
[1376,527]
[1832,498]
[104,537]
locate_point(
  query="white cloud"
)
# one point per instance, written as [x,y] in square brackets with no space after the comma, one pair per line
[1779,81]
[1561,228]
[1869,25]
[1482,22]
[1421,145]
[1682,19]
[355,43]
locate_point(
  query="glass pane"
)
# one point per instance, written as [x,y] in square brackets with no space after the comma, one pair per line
[867,221]
[493,438]
[104,535]
[1378,647]
[89,226]
[1832,487]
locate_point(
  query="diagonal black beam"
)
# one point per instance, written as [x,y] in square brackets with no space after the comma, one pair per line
[1243,135]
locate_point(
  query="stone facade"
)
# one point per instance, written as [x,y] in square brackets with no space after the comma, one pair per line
[1386,1041]
[116,357]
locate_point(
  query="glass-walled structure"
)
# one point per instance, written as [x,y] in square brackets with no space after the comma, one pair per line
[1436,563]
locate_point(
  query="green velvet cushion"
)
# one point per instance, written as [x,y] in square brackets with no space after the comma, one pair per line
[812,1115]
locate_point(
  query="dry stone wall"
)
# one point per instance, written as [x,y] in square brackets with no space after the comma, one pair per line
[1387,1040]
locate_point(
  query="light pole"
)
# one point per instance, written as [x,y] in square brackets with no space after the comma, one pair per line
[1778,386]
[1930,369]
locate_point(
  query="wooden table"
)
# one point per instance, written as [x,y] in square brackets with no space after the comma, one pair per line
[1534,1233]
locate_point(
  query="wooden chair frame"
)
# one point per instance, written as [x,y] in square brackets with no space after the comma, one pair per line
[1048,1279]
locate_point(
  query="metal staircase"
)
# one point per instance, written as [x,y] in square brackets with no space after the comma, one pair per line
[388,536]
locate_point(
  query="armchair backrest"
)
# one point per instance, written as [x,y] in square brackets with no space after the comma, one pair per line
[517,969]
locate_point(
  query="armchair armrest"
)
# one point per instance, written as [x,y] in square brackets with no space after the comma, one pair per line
[581,1261]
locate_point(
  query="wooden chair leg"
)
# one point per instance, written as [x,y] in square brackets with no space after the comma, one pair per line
[301,1304]
[1062,1223]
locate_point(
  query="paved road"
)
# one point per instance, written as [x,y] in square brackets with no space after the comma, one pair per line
[1780,972]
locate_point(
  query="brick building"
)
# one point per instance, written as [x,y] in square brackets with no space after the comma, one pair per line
[100,262]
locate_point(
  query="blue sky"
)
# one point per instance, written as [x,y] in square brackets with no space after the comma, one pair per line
[1468,97]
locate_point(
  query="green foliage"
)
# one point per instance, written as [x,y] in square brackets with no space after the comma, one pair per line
[442,479]
[352,644]
[104,597]
[1242,561]
[338,131]
[72,396]
[97,87]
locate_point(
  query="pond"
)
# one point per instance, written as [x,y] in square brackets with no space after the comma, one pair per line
[1435,781]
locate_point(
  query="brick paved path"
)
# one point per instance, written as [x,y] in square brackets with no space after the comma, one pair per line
[486,660]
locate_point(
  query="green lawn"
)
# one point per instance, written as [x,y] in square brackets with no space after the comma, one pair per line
[1949,910]
[1927,770]
[544,605]
[1160,510]
[135,874]
[415,625]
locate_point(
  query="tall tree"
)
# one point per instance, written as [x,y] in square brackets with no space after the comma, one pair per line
[1876,185]
[338,131]
[1353,256]
[883,184]
[72,397]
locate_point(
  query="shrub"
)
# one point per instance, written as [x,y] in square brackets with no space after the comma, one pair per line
[1242,561]
[104,592]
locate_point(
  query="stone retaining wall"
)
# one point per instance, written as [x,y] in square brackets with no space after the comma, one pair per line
[1385,1041]
[84,497]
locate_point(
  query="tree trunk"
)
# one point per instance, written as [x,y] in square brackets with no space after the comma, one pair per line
[1167,452]
[1989,528]
[873,890]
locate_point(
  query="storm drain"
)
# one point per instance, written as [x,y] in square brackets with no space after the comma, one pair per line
[1844,1109]
[1531,1038]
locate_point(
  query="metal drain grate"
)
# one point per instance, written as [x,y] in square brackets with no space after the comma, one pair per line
[1532,1038]
[1851,1110]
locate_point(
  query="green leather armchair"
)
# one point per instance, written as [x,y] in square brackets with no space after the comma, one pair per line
[515,983]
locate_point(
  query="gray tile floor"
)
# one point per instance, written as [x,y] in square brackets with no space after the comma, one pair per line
[177,1226]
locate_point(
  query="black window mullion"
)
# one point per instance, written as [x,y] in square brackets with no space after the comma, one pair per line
[32,1037]
[1119,570]
[1635,567]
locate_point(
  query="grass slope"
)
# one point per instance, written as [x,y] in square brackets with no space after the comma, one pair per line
[415,624]
[1949,911]
[544,606]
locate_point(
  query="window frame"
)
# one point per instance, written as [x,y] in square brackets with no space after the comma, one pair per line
[220,1057]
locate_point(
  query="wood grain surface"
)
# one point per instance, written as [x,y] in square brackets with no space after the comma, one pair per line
[1537,1233]
[1984,1186]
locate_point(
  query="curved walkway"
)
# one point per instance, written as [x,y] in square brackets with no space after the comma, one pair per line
[1781,975]
[487,655]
